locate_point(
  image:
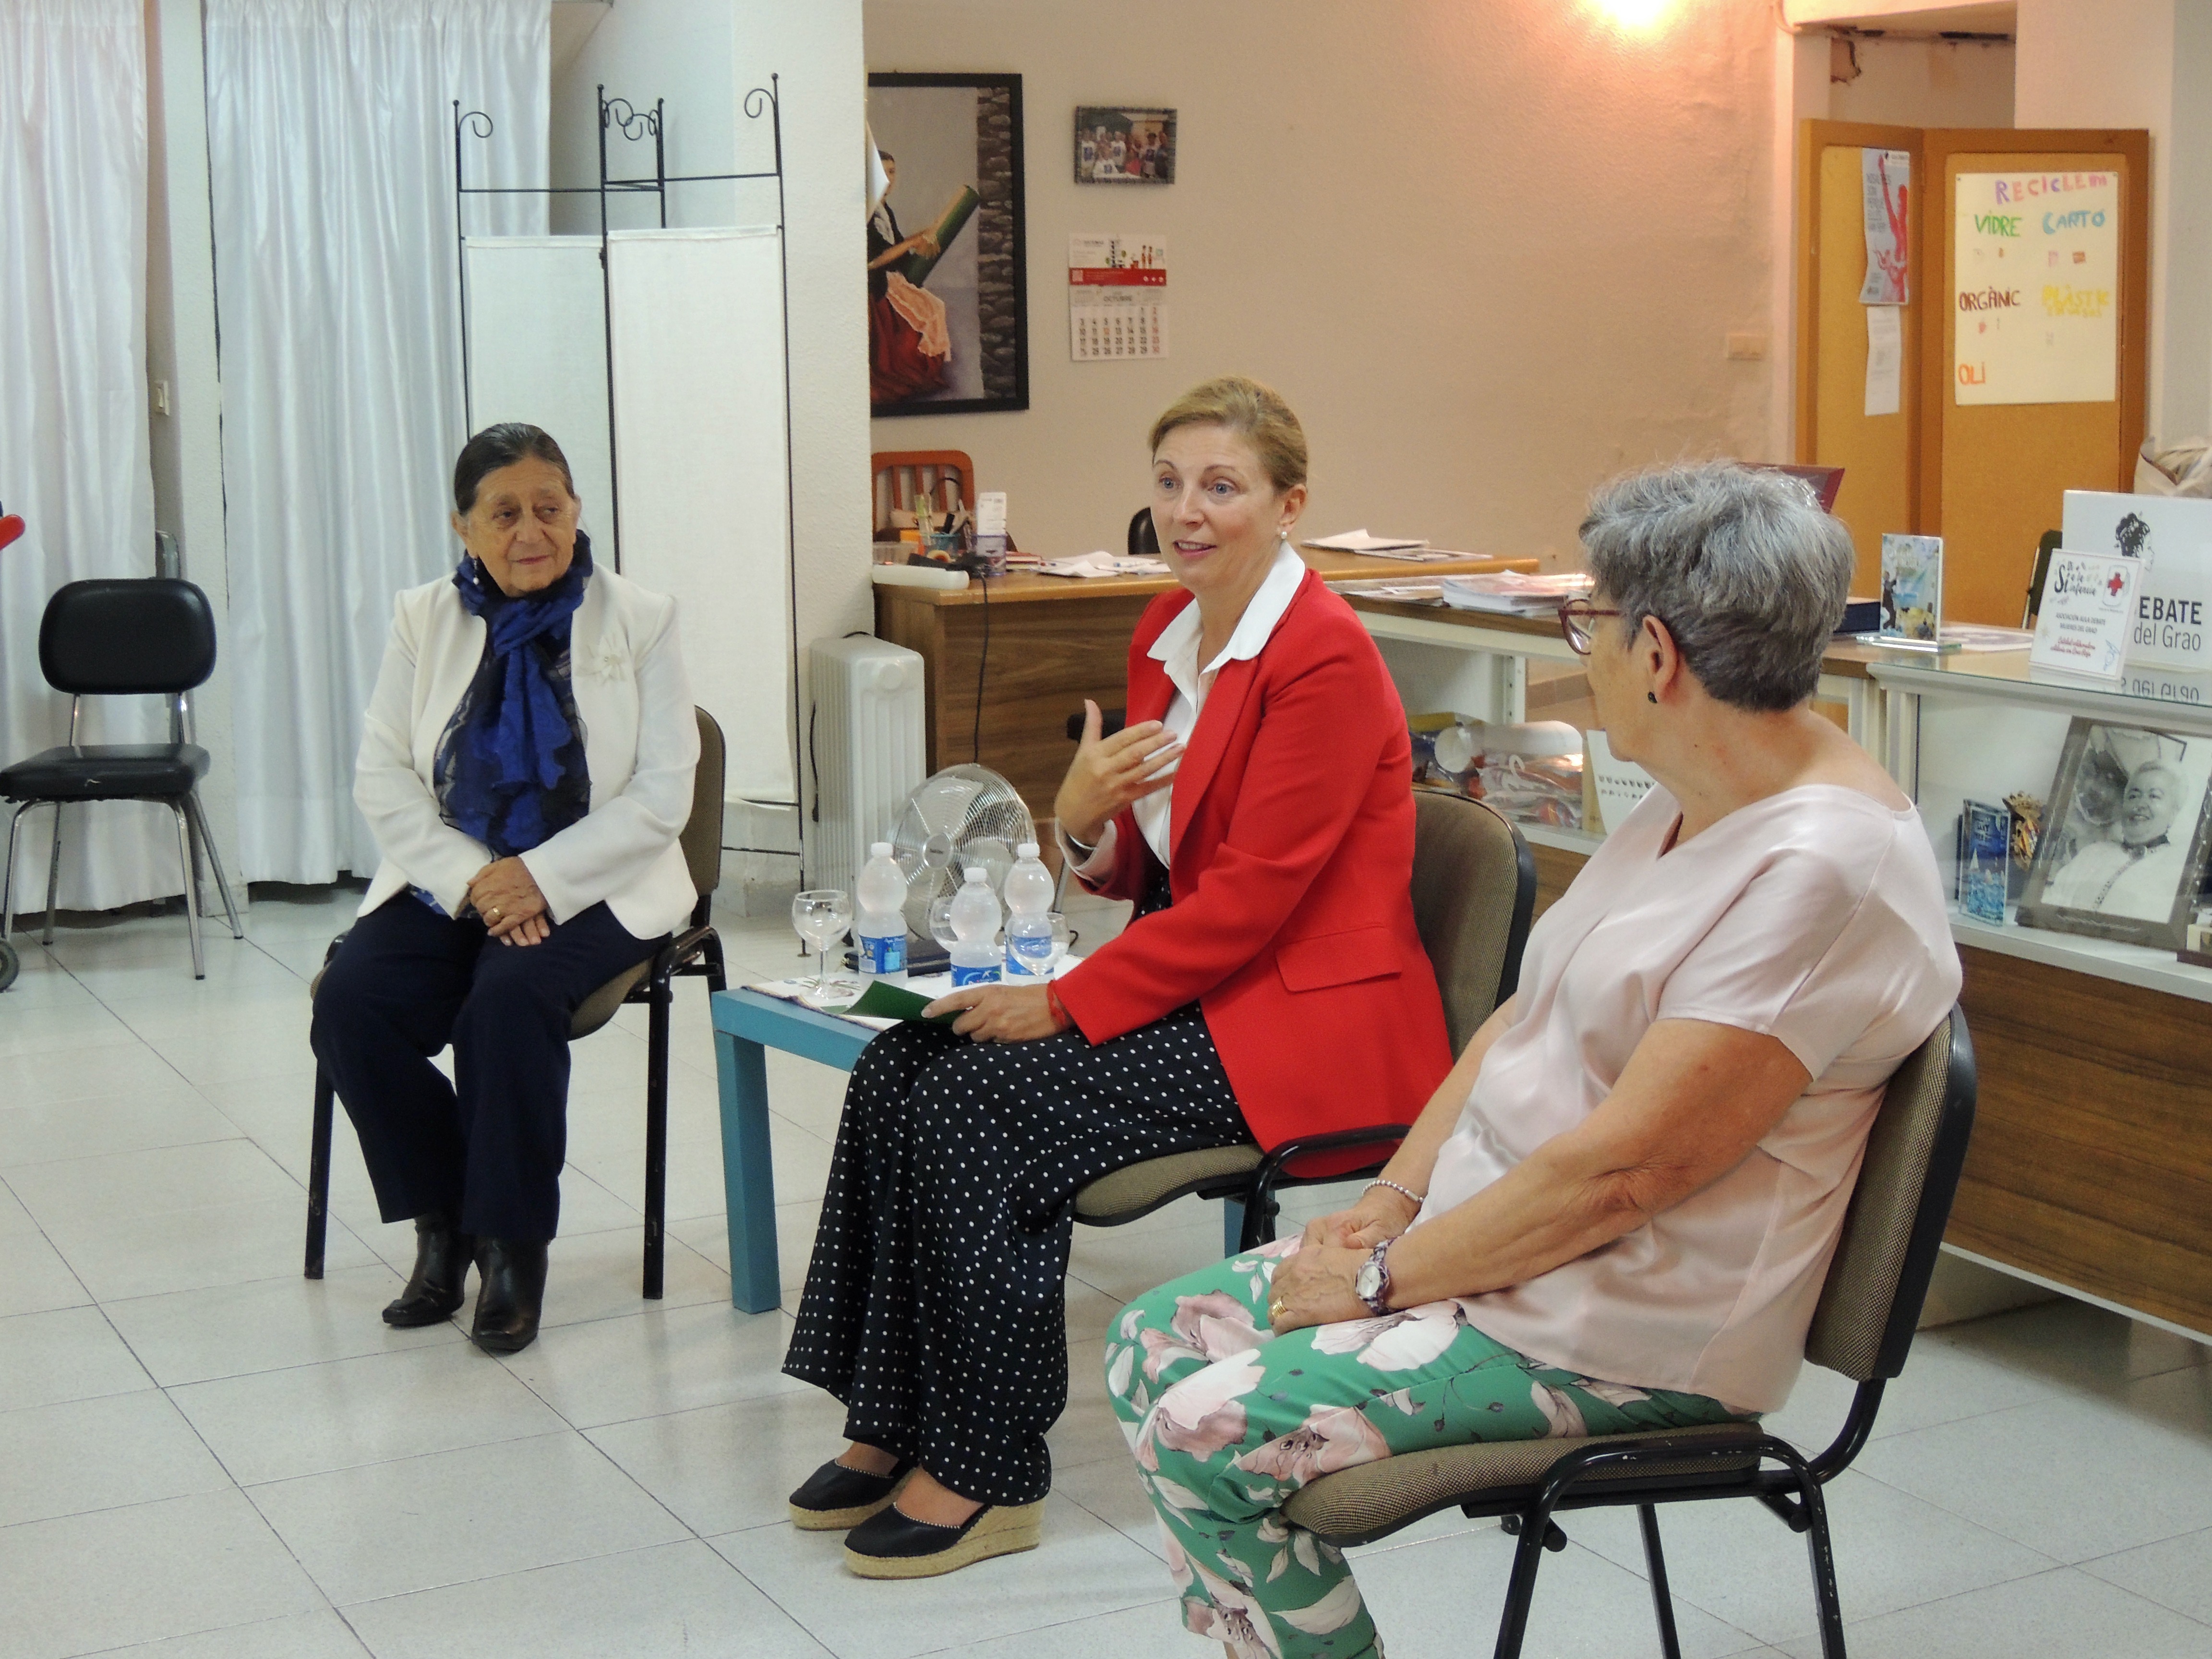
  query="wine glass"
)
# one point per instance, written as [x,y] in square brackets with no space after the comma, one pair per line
[1063,937]
[822,915]
[940,922]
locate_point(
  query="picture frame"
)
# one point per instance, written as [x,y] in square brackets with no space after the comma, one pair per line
[1116,144]
[1912,589]
[948,276]
[2121,852]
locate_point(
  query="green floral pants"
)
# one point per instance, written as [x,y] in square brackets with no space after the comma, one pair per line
[1227,1420]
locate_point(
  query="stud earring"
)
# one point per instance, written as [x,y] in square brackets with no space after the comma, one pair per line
[1650,696]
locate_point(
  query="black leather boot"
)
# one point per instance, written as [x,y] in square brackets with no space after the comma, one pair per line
[439,1283]
[513,1295]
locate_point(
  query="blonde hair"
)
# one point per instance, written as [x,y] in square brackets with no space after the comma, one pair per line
[1254,412]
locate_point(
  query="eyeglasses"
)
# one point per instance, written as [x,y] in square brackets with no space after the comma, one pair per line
[1575,616]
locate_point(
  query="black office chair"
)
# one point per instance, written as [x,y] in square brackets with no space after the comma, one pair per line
[697,951]
[114,637]
[1144,539]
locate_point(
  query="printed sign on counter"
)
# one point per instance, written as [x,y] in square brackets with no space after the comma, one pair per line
[2171,536]
[2087,614]
[2036,288]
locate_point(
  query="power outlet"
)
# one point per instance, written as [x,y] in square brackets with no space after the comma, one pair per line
[1747,348]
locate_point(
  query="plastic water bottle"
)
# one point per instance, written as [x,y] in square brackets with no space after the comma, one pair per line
[1029,903]
[879,929]
[975,929]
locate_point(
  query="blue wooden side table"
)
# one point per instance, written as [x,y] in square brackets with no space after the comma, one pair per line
[747,1025]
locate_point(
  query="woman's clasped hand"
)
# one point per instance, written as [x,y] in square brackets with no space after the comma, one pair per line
[1315,1286]
[505,895]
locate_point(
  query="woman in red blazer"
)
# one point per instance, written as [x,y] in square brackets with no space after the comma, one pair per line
[1271,985]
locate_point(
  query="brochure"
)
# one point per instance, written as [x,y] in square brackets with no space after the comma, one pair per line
[2088,614]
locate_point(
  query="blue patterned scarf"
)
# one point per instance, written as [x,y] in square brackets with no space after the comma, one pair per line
[510,769]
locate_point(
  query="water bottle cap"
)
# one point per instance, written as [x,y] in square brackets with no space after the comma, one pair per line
[1028,849]
[880,849]
[977,872]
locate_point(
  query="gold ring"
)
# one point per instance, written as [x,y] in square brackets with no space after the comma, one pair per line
[495,913]
[1277,1308]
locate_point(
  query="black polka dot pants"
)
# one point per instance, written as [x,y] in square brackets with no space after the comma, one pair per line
[933,1305]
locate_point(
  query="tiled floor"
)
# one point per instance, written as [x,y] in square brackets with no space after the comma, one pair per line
[202,1453]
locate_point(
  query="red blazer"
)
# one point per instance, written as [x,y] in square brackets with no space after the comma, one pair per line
[1292,924]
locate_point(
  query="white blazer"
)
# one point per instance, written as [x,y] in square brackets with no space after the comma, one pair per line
[640,745]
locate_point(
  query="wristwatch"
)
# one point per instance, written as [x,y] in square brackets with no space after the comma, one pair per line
[1371,1284]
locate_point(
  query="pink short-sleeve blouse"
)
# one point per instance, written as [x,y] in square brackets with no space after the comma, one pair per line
[1814,916]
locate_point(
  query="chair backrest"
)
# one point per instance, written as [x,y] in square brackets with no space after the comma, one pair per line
[701,838]
[897,476]
[1878,1277]
[1144,535]
[1474,887]
[116,637]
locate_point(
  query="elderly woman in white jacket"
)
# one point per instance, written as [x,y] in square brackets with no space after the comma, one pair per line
[526,767]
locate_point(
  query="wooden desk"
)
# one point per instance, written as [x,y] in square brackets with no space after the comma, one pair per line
[1052,641]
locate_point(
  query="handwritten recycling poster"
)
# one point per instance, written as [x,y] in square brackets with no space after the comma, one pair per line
[2036,286]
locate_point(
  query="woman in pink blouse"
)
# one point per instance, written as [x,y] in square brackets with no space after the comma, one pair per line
[1616,1212]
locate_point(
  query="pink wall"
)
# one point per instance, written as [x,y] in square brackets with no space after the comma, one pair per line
[1490,249]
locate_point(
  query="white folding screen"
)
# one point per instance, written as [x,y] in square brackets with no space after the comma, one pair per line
[537,352]
[701,444]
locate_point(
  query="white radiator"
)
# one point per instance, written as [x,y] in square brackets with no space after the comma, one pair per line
[866,721]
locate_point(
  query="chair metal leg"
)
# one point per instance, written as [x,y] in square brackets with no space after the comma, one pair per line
[1521,1590]
[53,875]
[656,1132]
[318,1173]
[1663,1598]
[206,839]
[192,889]
[8,875]
[1828,1603]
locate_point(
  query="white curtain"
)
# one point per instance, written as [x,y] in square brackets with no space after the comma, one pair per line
[331,148]
[73,455]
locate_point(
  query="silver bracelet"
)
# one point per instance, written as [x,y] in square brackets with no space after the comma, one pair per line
[1418,1199]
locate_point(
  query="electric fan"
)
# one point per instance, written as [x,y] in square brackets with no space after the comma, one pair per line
[962,816]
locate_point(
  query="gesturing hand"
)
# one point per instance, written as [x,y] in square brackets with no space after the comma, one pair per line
[507,899]
[1109,774]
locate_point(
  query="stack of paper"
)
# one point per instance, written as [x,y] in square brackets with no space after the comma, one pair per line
[1515,594]
[1102,564]
[1358,541]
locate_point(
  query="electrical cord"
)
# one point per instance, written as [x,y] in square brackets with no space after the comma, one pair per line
[982,663]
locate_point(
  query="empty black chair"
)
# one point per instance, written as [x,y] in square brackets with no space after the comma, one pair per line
[114,637]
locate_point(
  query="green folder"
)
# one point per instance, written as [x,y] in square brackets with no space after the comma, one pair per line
[884,1000]
[916,267]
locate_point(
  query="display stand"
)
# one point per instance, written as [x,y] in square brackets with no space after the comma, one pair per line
[644,395]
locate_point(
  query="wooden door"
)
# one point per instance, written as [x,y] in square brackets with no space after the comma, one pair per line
[1992,475]
[1880,453]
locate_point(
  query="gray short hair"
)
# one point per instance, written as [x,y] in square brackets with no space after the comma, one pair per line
[1748,574]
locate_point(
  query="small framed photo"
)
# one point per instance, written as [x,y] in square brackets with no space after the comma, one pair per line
[1124,146]
[1912,587]
[2122,849]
